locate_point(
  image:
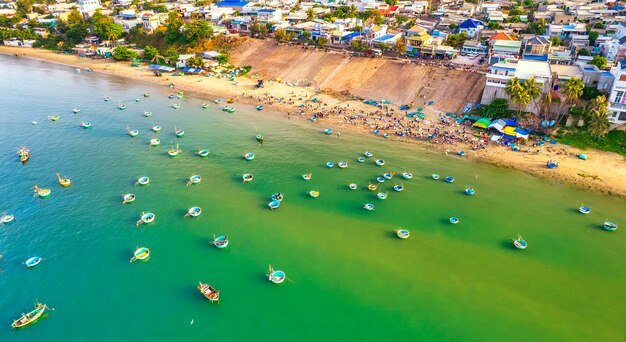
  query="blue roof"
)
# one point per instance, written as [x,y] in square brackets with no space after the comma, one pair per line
[232,3]
[351,35]
[606,73]
[266,10]
[470,23]
[383,38]
[536,57]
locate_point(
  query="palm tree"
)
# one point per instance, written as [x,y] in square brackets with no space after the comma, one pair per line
[599,121]
[572,90]
[546,103]
[534,90]
[517,93]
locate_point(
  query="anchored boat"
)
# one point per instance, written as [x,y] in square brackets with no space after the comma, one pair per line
[372,187]
[449,179]
[403,233]
[147,114]
[143,180]
[173,152]
[64,181]
[6,219]
[76,110]
[203,152]
[330,164]
[277,197]
[24,154]
[140,254]
[42,193]
[382,195]
[133,132]
[209,292]
[121,107]
[128,198]
[469,191]
[454,220]
[176,105]
[352,186]
[435,176]
[30,317]
[380,179]
[520,243]
[407,175]
[54,117]
[342,164]
[248,156]
[307,176]
[194,179]
[247,177]
[328,131]
[314,193]
[32,262]
[361,160]
[368,206]
[276,276]
[156,128]
[146,218]
[398,187]
[154,142]
[194,211]
[380,162]
[85,125]
[388,175]
[367,154]
[220,241]
[584,210]
[274,204]
[610,226]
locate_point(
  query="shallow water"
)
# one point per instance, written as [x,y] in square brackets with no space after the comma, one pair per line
[348,276]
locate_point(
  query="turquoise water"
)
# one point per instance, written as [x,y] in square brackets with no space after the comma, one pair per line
[349,277]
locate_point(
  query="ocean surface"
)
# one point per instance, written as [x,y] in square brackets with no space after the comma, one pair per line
[349,278]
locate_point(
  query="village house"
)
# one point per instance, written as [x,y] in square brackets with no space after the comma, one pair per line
[617,96]
[471,27]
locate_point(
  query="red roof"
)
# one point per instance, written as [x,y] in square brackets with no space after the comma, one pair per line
[390,9]
[502,36]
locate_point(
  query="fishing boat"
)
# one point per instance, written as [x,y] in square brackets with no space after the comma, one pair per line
[32,262]
[247,177]
[259,137]
[584,210]
[171,96]
[24,154]
[407,175]
[137,100]
[372,187]
[380,179]
[54,117]
[194,211]
[133,132]
[367,154]
[33,122]
[231,109]
[403,233]
[155,142]
[248,156]
[42,193]
[382,195]
[469,191]
[64,181]
[520,243]
[230,101]
[30,317]
[107,99]
[352,186]
[277,197]
[194,179]
[209,292]
[173,152]
[330,164]
[582,156]
[368,206]
[146,94]
[380,162]
[259,107]
[398,187]
[179,132]
[176,105]
[76,110]
[449,179]
[180,95]
[147,114]
[314,193]
[361,160]
[552,164]
[276,276]
[121,107]
[85,125]
[274,205]
[6,219]
[220,241]
[454,220]
[610,226]
[342,164]
[307,176]
[203,152]
[217,101]
[328,131]
[461,153]
[435,176]
[225,108]
[156,128]
[205,105]
[146,218]
[143,180]
[388,175]
[140,254]
[128,198]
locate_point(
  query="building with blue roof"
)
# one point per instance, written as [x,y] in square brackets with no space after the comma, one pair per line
[471,27]
[237,5]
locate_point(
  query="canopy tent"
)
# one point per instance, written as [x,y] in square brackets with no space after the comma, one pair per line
[471,118]
[498,125]
[161,67]
[482,123]
[495,137]
[192,70]
[511,122]
[508,137]
[522,134]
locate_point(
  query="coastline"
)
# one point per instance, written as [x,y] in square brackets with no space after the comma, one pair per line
[603,171]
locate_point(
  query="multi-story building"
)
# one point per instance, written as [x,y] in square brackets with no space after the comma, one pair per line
[617,97]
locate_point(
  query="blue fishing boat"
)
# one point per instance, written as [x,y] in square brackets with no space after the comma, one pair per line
[220,241]
[520,243]
[368,206]
[313,119]
[361,160]
[330,164]
[380,162]
[435,176]
[403,233]
[146,218]
[398,187]
[388,175]
[274,205]
[276,276]
[584,210]
[328,131]
[610,226]
[469,191]
[259,107]
[248,156]
[342,164]
[194,211]
[582,156]
[203,152]
[461,153]
[194,179]
[367,154]
[380,179]
[143,180]
[277,197]
[32,262]
[407,175]
[552,164]
[449,179]
[454,220]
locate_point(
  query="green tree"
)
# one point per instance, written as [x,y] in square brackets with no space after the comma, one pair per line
[384,47]
[494,25]
[123,53]
[498,108]
[593,36]
[456,40]
[173,27]
[222,59]
[149,53]
[400,46]
[391,2]
[195,62]
[537,27]
[556,41]
[599,120]
[516,11]
[401,19]
[321,41]
[281,35]
[105,28]
[258,30]
[310,14]
[23,7]
[196,31]
[75,35]
[546,102]
[75,19]
[573,89]
[583,52]
[518,94]
[598,61]
[171,55]
[533,89]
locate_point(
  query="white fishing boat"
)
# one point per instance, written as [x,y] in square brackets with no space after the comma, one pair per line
[194,179]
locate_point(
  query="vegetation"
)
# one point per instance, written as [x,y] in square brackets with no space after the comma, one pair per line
[456,40]
[599,61]
[522,93]
[599,120]
[498,108]
[400,46]
[123,53]
[590,93]
[537,27]
[613,141]
[593,36]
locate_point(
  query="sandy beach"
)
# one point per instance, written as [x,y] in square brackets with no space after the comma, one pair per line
[603,171]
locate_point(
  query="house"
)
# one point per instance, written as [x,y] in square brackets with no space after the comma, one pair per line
[236,5]
[504,50]
[471,27]
[417,36]
[617,96]
[501,36]
[565,31]
[537,48]
[487,7]
[20,43]
[496,16]
[88,6]
[128,20]
[473,46]
[150,21]
[182,60]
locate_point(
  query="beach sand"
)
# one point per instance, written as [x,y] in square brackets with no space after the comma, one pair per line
[603,171]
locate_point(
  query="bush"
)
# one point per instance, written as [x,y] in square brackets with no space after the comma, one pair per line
[614,141]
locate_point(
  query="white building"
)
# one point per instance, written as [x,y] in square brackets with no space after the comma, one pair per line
[88,6]
[617,98]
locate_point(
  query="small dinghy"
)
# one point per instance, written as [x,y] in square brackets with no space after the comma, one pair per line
[610,226]
[380,162]
[33,122]
[180,95]
[382,195]
[388,175]
[361,160]
[85,125]
[584,210]
[147,114]
[328,131]
[155,142]
[173,152]
[32,262]
[454,220]
[171,96]
[342,164]
[128,198]
[209,292]
[194,179]
[380,179]
[352,186]
[368,206]
[107,99]
[367,154]
[146,94]
[133,132]
[205,105]
[259,137]
[582,156]
[307,176]
[179,133]
[220,241]
[277,197]
[248,156]
[403,233]
[314,193]
[176,105]
[276,276]
[30,317]
[203,152]
[6,219]
[469,191]
[140,254]
[143,180]
[330,164]
[146,218]
[398,187]
[217,101]
[461,153]
[42,193]
[64,181]
[76,110]
[552,164]
[137,100]
[372,187]
[274,205]
[449,179]
[407,175]
[259,107]
[247,177]
[121,107]
[435,176]
[520,243]
[24,154]
[194,211]
[54,117]
[156,128]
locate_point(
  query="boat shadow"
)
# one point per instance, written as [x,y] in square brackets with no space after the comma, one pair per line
[508,244]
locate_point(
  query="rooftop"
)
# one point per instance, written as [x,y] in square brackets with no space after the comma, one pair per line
[527,69]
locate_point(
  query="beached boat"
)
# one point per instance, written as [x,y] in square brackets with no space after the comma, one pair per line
[194,211]
[248,156]
[121,107]
[398,187]
[155,142]
[276,276]
[361,160]
[176,105]
[6,219]
[230,101]
[469,191]
[552,164]
[382,195]
[143,180]
[194,179]
[76,110]
[220,241]
[64,181]
[314,193]
[328,131]
[610,226]
[584,210]
[582,156]
[217,101]
[247,177]
[205,105]
[128,198]
[259,107]
[307,176]
[32,262]
[85,125]
[388,175]
[225,108]
[352,186]
[277,197]
[133,132]
[330,164]
[146,218]
[449,179]
[31,317]
[54,117]
[24,154]
[520,243]
[454,220]
[372,187]
[403,233]
[209,292]
[435,176]
[231,109]
[156,128]
[140,254]
[173,152]
[368,206]
[407,175]
[380,179]
[180,95]
[342,164]
[171,96]
[380,162]
[147,114]
[274,205]
[42,193]
[203,152]
[461,153]
[367,154]
[107,99]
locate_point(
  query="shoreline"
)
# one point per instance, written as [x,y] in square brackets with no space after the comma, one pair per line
[603,171]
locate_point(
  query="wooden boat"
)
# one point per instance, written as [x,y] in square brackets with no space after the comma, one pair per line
[380,162]
[155,142]
[353,186]
[171,96]
[403,233]
[220,241]
[372,187]
[128,198]
[209,292]
[143,180]
[584,210]
[156,128]
[147,114]
[469,191]
[367,154]
[121,107]
[146,218]
[217,101]
[398,187]
[342,164]
[274,205]
[552,164]
[520,243]
[368,206]
[361,160]
[85,125]
[435,176]
[32,262]
[205,105]
[407,175]
[231,109]
[76,110]
[194,211]
[176,105]
[449,179]
[42,193]
[203,152]
[388,175]
[454,220]
[24,154]
[194,179]
[107,99]
[328,131]
[248,156]
[54,117]
[30,317]
[314,193]
[247,177]
[259,107]
[133,132]
[307,176]
[276,276]
[173,152]
[6,219]
[610,226]
[259,138]
[180,95]
[330,164]
[179,132]
[380,179]
[382,195]
[140,254]
[65,182]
